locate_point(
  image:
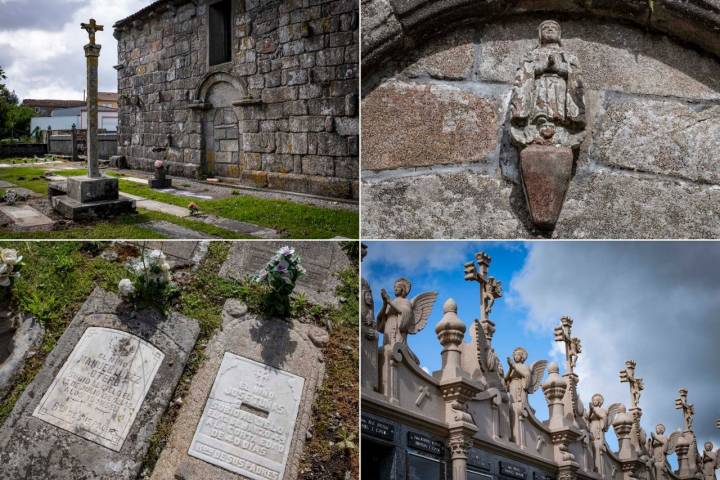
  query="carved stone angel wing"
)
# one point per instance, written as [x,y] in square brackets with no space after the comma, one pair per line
[422,306]
[613,410]
[536,375]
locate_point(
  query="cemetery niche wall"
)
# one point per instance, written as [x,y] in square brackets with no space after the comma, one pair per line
[631,131]
[472,419]
[262,92]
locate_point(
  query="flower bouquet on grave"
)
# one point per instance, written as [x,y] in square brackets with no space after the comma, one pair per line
[150,282]
[279,277]
[194,209]
[10,265]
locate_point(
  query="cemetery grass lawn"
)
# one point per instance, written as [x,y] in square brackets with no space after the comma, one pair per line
[126,228]
[295,219]
[55,280]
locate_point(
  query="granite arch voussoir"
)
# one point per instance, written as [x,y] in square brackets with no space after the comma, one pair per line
[399,24]
[204,88]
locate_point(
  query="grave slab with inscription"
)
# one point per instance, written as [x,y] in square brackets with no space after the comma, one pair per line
[322,260]
[249,406]
[91,410]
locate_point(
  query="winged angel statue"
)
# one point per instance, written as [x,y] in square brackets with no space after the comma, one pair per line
[400,317]
[522,380]
[599,420]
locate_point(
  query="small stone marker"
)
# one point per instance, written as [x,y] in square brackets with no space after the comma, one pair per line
[248,409]
[90,411]
[101,386]
[322,260]
[247,423]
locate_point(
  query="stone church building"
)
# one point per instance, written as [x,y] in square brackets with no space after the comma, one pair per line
[264,93]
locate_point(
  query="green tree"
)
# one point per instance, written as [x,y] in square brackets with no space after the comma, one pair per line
[14,118]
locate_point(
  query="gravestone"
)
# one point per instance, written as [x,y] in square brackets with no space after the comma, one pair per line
[91,410]
[179,254]
[249,406]
[322,260]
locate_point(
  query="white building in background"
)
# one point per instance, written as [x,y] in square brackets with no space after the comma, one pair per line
[65,118]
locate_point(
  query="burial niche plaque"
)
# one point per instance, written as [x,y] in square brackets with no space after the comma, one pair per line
[100,388]
[249,418]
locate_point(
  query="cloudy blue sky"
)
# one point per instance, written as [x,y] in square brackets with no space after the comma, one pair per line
[41,44]
[654,302]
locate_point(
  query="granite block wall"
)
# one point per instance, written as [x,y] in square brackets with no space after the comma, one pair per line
[282,114]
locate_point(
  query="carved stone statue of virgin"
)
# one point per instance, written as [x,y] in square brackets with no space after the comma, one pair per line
[547,106]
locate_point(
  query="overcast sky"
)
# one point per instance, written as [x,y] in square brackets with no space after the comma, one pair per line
[657,303]
[41,44]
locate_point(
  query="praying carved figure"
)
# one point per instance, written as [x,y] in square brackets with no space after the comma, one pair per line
[522,380]
[710,462]
[548,106]
[657,444]
[599,421]
[400,317]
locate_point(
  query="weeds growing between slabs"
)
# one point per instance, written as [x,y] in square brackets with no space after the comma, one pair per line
[57,277]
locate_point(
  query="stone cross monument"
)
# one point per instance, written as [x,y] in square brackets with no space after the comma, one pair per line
[93,195]
[490,290]
[92,55]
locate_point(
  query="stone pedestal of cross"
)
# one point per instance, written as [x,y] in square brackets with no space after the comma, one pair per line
[93,195]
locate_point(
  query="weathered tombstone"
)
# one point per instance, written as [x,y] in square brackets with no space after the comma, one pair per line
[322,260]
[249,406]
[91,410]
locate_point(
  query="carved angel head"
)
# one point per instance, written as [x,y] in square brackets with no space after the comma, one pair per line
[660,429]
[402,287]
[520,355]
[597,400]
[708,446]
[550,31]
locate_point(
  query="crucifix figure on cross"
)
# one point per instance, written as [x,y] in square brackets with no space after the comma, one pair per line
[91,28]
[573,347]
[490,289]
[687,408]
[627,375]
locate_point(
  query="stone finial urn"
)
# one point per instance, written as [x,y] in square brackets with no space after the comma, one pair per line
[547,123]
[554,389]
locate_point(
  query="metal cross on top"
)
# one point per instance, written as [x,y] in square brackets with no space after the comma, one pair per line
[91,28]
[490,289]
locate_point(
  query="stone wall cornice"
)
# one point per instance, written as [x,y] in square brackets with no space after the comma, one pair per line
[390,26]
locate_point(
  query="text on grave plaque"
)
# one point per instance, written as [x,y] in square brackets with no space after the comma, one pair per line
[100,388]
[248,421]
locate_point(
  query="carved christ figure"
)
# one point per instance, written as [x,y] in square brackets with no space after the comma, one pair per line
[547,105]
[522,380]
[627,375]
[399,317]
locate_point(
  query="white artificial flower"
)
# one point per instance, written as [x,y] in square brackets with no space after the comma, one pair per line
[10,256]
[126,287]
[4,281]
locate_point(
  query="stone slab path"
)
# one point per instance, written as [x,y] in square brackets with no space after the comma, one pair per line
[25,216]
[172,230]
[155,206]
